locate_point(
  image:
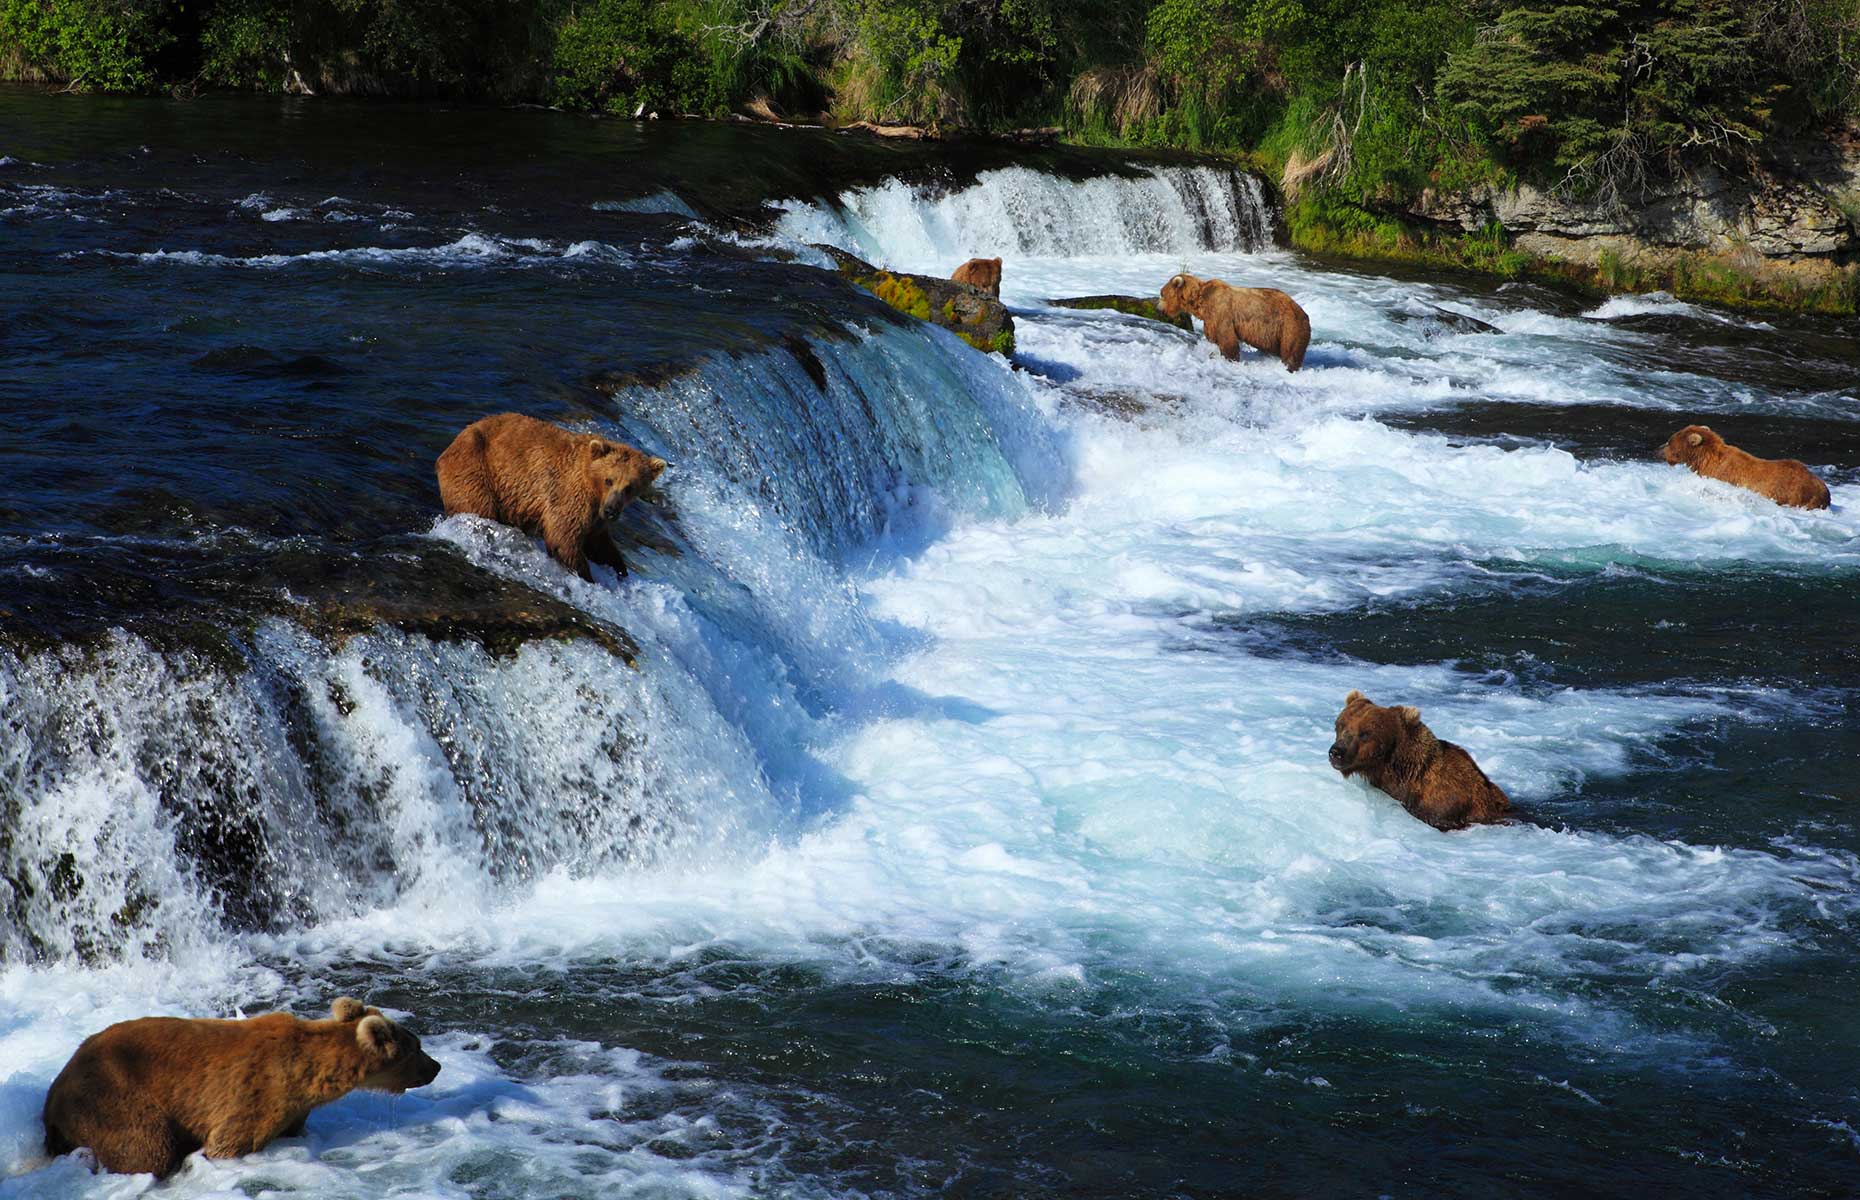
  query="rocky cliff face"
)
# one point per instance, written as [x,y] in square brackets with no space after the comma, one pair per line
[1795,218]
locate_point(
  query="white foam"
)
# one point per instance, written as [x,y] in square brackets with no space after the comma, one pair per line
[1664,305]
[469,250]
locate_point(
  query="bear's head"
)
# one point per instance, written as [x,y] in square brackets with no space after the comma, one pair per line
[1689,443]
[392,1058]
[1368,734]
[617,473]
[1181,294]
[990,273]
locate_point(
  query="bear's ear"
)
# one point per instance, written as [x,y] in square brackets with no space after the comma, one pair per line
[599,449]
[1354,697]
[1408,713]
[375,1034]
[348,1008]
[655,466]
[1695,438]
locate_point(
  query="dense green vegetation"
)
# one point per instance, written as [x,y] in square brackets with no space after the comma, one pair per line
[1355,105]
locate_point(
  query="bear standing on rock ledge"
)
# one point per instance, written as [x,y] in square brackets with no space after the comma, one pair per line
[546,481]
[1264,318]
[982,274]
[1783,480]
[145,1094]
[1436,781]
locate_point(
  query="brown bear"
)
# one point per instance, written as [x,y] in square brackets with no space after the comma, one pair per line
[1783,480]
[1436,781]
[1264,318]
[145,1094]
[982,274]
[546,481]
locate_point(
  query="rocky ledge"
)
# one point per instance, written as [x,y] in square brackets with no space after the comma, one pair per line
[971,314]
[1790,225]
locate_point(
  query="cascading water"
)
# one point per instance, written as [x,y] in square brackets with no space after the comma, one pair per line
[1020,213]
[155,796]
[961,822]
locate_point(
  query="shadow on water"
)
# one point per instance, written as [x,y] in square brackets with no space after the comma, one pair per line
[941,1078]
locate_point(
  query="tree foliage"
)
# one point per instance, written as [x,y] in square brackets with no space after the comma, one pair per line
[1367,99]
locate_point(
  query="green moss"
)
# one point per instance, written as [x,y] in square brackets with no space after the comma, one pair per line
[898,292]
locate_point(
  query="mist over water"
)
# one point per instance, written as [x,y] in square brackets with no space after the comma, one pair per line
[941,804]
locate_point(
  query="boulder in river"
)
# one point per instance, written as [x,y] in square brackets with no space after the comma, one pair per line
[971,314]
[1136,306]
[1436,321]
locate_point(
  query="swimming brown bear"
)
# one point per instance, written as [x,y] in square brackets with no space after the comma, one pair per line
[983,274]
[1783,480]
[1263,318]
[1436,781]
[145,1094]
[546,481]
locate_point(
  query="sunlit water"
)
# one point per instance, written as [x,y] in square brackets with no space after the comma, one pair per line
[965,825]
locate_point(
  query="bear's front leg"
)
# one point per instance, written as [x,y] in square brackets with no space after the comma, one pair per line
[600,549]
[235,1139]
[565,547]
[1229,342]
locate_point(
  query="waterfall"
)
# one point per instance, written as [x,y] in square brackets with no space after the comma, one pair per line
[1027,213]
[154,794]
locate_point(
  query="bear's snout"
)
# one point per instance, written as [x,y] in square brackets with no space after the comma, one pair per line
[1339,757]
[428,1069]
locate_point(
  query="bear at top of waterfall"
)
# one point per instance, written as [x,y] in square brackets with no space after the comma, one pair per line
[1783,480]
[546,481]
[1434,780]
[145,1094]
[982,274]
[1263,318]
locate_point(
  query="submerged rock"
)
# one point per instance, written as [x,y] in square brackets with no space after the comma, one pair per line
[1436,321]
[1136,306]
[974,316]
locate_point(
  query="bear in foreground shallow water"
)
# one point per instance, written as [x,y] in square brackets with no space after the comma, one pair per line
[563,487]
[1436,781]
[1264,318]
[1783,480]
[983,274]
[145,1094]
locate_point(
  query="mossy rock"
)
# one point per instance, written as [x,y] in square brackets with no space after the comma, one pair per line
[1136,306]
[971,314]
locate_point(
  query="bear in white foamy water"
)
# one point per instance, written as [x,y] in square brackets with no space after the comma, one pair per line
[145,1094]
[1263,318]
[1436,781]
[1783,480]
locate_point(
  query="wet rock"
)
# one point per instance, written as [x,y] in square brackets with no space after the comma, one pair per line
[199,599]
[1435,321]
[1136,306]
[972,315]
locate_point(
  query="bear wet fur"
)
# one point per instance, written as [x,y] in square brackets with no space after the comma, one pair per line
[1784,480]
[145,1094]
[982,274]
[1263,318]
[561,486]
[1434,780]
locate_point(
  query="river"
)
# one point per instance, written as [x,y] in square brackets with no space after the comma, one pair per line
[940,806]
